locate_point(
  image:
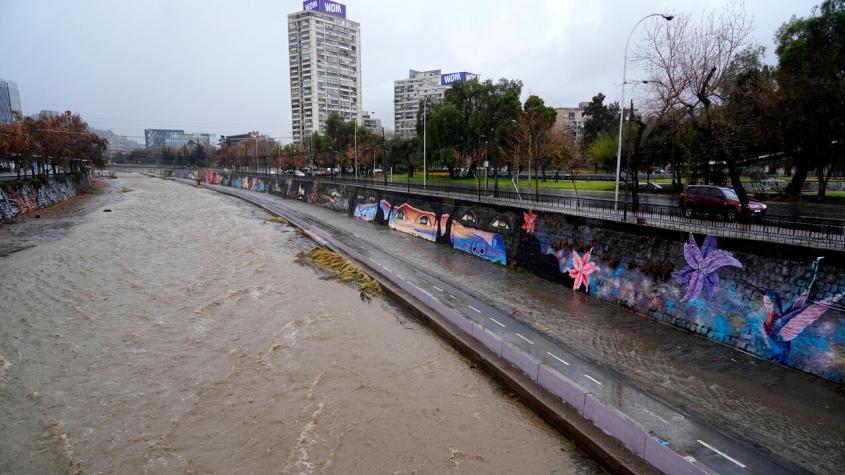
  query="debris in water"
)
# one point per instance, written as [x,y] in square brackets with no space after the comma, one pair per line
[344,271]
[278,219]
[365,297]
[106,210]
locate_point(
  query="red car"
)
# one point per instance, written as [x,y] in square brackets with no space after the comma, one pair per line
[717,199]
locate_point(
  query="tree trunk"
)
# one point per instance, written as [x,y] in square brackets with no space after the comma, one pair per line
[797,184]
[823,179]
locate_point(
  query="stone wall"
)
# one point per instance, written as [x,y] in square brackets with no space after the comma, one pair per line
[17,199]
[775,301]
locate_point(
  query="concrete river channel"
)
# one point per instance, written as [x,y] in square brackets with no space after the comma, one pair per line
[179,333]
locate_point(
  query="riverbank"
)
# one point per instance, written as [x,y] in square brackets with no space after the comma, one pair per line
[19,199]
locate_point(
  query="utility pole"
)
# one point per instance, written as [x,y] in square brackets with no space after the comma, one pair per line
[356,147]
[425,116]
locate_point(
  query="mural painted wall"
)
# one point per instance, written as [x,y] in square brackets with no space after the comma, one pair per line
[787,307]
[24,198]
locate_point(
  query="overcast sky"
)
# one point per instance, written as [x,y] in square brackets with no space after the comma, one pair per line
[221,66]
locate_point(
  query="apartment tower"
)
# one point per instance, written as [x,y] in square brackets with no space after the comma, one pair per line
[325,66]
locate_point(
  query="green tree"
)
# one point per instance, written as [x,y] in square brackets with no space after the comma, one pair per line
[811,54]
[600,119]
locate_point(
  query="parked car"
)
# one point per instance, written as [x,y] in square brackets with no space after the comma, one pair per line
[717,199]
[298,173]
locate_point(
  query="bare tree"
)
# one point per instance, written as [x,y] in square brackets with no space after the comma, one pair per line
[687,65]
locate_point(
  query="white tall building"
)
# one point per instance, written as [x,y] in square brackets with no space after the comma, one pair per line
[407,94]
[325,66]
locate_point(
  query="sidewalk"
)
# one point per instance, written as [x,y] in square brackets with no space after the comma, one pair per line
[677,384]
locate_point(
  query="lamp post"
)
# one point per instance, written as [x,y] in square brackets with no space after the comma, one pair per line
[425,116]
[355,133]
[622,103]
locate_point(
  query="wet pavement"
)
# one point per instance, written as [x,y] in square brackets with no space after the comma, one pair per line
[732,411]
[179,333]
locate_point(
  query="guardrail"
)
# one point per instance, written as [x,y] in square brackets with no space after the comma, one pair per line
[809,232]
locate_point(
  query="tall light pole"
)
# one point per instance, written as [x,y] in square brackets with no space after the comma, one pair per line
[356,147]
[425,116]
[622,102]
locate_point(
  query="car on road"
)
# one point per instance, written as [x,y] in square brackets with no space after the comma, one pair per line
[697,199]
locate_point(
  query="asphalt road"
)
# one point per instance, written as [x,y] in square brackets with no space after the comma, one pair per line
[721,447]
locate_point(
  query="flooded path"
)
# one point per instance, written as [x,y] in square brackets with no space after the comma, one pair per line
[177,334]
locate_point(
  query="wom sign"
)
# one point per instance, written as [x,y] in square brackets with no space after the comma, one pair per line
[325,6]
[463,76]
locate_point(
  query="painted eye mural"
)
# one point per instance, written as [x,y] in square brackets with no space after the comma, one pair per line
[468,217]
[385,208]
[413,221]
[500,223]
[444,220]
[484,244]
[366,211]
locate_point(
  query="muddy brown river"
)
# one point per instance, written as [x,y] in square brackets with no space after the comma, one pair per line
[178,334]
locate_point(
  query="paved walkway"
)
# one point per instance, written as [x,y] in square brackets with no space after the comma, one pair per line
[731,411]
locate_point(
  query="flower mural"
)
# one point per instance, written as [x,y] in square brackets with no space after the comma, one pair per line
[702,264]
[530,221]
[581,270]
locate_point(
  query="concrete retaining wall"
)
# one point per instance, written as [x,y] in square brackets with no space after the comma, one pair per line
[744,297]
[21,198]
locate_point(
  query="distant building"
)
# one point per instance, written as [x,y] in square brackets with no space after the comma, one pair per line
[10,102]
[173,138]
[117,143]
[371,123]
[571,120]
[325,66]
[407,94]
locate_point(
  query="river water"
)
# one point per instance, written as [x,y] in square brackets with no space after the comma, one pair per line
[178,334]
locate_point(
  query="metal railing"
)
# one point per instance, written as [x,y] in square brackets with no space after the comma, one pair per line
[811,232]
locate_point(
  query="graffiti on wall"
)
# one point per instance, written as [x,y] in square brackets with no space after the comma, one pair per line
[701,267]
[25,198]
[366,211]
[484,244]
[416,222]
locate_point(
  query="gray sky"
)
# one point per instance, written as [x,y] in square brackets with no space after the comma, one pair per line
[221,66]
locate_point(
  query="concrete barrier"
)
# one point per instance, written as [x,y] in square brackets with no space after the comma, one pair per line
[616,424]
[487,338]
[667,460]
[459,320]
[562,387]
[522,360]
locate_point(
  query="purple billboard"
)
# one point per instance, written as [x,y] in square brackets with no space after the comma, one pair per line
[325,6]
[449,78]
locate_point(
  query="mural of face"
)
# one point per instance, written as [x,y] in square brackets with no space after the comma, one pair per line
[410,220]
[484,244]
[366,211]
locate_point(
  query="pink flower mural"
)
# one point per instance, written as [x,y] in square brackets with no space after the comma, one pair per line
[581,270]
[530,221]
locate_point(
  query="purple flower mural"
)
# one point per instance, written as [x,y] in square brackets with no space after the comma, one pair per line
[701,267]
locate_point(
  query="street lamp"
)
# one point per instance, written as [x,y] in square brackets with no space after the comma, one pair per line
[425,116]
[622,102]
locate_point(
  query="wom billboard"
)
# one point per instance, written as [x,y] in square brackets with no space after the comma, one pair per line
[449,78]
[325,6]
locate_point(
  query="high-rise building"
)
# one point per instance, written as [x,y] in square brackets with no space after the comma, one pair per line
[407,94]
[371,123]
[325,66]
[571,120]
[173,138]
[10,101]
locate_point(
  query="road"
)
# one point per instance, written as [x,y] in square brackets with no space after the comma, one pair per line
[792,210]
[683,388]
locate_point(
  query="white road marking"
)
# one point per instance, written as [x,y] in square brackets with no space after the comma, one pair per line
[655,415]
[526,339]
[740,464]
[477,310]
[498,322]
[426,292]
[450,295]
[592,379]
[555,357]
[437,288]
[385,268]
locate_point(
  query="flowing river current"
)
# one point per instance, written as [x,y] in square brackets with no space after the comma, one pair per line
[178,333]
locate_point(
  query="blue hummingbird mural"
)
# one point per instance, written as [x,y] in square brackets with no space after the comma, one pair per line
[784,324]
